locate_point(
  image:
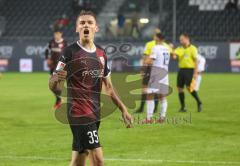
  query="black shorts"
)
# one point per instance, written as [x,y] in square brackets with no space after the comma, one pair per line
[147,73]
[184,77]
[85,137]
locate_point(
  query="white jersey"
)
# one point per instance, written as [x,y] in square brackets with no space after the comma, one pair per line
[201,63]
[159,72]
[161,56]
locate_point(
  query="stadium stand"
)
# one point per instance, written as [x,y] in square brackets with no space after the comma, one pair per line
[209,5]
[200,21]
[199,18]
[36,22]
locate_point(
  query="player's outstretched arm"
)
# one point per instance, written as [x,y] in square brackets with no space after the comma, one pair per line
[56,81]
[115,98]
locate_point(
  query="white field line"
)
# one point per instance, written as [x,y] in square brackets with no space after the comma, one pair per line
[125,160]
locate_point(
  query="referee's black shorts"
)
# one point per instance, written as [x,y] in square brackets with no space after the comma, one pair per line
[147,73]
[184,77]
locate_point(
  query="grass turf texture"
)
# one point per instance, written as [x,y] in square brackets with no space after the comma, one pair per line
[31,136]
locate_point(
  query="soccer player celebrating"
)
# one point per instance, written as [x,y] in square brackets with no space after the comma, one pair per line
[55,48]
[159,60]
[201,61]
[187,74]
[84,66]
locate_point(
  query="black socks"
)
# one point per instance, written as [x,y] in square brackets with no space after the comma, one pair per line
[143,99]
[195,95]
[181,99]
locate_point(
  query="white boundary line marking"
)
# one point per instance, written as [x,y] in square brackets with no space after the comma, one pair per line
[125,160]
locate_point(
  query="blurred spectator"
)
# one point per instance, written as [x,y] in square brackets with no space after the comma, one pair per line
[61,22]
[231,5]
[121,22]
[135,27]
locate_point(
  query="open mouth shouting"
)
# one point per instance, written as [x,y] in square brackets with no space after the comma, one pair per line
[86,32]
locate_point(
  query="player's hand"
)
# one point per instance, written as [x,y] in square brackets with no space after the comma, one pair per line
[195,75]
[127,118]
[60,75]
[174,56]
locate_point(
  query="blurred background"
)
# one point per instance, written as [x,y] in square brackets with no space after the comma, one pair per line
[214,26]
[30,134]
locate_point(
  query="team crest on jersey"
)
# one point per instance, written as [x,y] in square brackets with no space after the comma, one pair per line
[60,45]
[102,60]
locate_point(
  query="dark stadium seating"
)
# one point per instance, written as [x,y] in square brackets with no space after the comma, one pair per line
[130,6]
[202,25]
[33,18]
[137,5]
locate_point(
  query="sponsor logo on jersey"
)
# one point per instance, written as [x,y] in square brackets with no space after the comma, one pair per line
[60,45]
[93,73]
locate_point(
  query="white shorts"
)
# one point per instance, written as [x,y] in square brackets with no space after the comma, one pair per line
[159,87]
[201,67]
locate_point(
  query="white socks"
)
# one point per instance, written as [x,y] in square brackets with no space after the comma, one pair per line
[198,81]
[150,108]
[164,105]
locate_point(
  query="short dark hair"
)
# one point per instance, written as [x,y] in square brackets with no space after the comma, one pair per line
[160,36]
[57,31]
[86,12]
[185,35]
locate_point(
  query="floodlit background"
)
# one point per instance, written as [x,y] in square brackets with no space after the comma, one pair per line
[30,135]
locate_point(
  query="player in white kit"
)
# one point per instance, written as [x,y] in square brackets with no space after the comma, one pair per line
[201,61]
[158,83]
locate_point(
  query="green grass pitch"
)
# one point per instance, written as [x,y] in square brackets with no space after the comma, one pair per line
[31,136]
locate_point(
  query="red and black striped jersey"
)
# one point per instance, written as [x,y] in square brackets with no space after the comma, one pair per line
[85,71]
[55,49]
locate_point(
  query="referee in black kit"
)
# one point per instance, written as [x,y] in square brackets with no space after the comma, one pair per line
[187,62]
